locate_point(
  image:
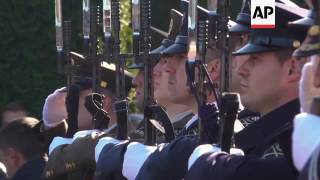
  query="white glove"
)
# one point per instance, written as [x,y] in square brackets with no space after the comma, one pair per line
[208,148]
[134,158]
[307,89]
[54,109]
[305,138]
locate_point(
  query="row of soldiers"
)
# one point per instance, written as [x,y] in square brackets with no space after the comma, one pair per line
[276,75]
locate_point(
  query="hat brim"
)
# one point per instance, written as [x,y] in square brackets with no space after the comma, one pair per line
[136,66]
[175,49]
[303,23]
[239,29]
[251,48]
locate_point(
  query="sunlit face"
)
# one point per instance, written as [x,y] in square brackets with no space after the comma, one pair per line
[138,83]
[261,81]
[236,62]
[161,78]
[177,86]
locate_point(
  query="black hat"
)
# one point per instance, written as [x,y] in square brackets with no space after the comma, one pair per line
[174,27]
[82,73]
[180,45]
[166,37]
[156,37]
[311,44]
[281,37]
[243,20]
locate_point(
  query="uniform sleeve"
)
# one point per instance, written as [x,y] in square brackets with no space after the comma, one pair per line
[168,161]
[233,167]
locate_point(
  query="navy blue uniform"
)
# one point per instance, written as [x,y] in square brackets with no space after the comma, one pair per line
[267,147]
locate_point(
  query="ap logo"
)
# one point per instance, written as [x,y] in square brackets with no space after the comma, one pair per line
[262,13]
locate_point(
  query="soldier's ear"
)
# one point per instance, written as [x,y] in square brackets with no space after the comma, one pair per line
[293,70]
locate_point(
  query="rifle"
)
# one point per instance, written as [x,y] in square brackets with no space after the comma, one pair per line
[90,33]
[196,57]
[121,105]
[145,18]
[59,35]
[136,28]
[63,41]
[229,102]
[86,26]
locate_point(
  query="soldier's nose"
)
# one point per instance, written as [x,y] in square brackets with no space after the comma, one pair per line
[243,71]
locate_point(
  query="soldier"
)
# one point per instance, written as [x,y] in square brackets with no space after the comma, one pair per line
[21,151]
[269,80]
[305,143]
[66,150]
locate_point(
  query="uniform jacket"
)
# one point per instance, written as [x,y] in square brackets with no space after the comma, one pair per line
[267,147]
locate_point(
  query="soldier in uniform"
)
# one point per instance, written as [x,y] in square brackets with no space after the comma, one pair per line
[179,114]
[66,154]
[269,81]
[21,151]
[305,143]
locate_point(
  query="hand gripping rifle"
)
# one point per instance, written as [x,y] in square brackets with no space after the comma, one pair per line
[63,41]
[229,102]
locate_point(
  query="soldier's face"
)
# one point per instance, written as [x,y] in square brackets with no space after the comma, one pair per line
[177,82]
[236,62]
[138,83]
[262,82]
[161,78]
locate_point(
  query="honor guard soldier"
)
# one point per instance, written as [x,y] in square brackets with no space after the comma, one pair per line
[74,157]
[269,80]
[305,143]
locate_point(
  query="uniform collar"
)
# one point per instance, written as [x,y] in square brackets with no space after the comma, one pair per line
[259,130]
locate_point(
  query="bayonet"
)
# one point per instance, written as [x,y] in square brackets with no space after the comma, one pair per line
[59,35]
[136,27]
[107,30]
[86,25]
[192,30]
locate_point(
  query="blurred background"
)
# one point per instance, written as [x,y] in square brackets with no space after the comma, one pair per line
[28,68]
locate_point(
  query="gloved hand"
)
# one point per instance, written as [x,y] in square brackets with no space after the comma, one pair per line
[54,109]
[209,115]
[94,104]
[305,138]
[307,89]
